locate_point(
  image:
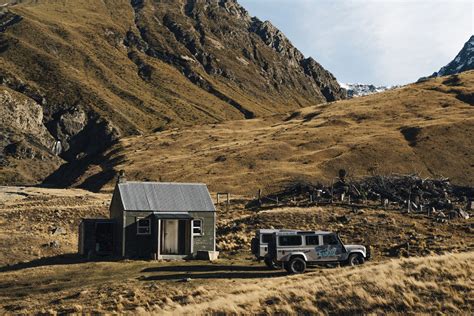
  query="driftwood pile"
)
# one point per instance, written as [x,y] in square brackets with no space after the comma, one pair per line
[436,197]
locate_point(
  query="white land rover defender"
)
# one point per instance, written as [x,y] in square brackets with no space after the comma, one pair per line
[294,250]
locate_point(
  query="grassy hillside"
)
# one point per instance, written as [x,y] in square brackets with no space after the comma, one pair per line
[425,128]
[437,284]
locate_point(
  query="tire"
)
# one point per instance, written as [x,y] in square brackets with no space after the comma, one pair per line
[270,263]
[296,265]
[355,259]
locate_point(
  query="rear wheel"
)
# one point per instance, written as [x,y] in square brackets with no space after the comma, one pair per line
[296,265]
[355,259]
[270,263]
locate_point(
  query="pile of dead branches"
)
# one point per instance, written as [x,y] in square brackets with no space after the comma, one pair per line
[402,191]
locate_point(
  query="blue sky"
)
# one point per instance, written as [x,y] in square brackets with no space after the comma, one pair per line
[382,42]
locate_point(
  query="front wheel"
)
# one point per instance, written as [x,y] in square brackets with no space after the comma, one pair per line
[355,259]
[296,265]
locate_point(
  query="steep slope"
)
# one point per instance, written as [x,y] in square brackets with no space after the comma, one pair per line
[102,70]
[425,128]
[463,61]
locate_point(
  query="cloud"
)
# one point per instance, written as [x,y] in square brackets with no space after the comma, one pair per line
[380,42]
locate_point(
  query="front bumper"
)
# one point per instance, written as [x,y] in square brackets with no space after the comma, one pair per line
[368,252]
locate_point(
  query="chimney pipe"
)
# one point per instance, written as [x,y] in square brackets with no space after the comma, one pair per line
[121,177]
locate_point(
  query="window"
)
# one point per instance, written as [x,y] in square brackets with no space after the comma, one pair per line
[312,240]
[291,240]
[143,226]
[197,227]
[330,240]
[266,238]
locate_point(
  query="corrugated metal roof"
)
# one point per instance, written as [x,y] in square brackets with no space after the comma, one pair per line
[165,197]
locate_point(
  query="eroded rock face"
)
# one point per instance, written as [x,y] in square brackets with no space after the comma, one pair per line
[19,115]
[26,146]
[221,39]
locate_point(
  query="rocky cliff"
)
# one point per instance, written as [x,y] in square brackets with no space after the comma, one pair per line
[463,61]
[103,70]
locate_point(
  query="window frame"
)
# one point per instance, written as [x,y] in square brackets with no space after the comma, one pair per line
[290,236]
[266,238]
[334,237]
[201,233]
[138,219]
[316,237]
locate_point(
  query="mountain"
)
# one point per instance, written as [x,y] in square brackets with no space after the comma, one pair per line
[359,89]
[464,61]
[96,71]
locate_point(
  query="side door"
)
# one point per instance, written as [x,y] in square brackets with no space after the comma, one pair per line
[312,245]
[288,244]
[330,248]
[264,241]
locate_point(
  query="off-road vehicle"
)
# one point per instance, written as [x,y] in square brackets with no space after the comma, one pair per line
[294,250]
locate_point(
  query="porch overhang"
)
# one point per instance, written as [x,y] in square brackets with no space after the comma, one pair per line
[172,215]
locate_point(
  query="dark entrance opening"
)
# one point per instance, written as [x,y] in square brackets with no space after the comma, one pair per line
[104,238]
[182,237]
[175,238]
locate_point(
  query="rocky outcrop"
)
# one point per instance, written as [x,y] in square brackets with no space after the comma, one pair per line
[24,140]
[463,61]
[220,39]
[22,116]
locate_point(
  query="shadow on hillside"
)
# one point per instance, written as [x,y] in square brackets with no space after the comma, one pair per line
[70,172]
[212,272]
[71,258]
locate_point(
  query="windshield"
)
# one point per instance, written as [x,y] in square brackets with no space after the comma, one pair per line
[330,240]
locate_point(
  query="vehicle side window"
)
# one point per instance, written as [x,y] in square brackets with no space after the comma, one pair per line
[312,240]
[290,240]
[330,240]
[266,238]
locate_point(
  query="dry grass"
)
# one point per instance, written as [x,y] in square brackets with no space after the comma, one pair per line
[424,285]
[53,280]
[29,215]
[422,128]
[389,233]
[433,285]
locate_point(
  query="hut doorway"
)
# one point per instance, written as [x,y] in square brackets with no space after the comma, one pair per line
[104,238]
[175,237]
